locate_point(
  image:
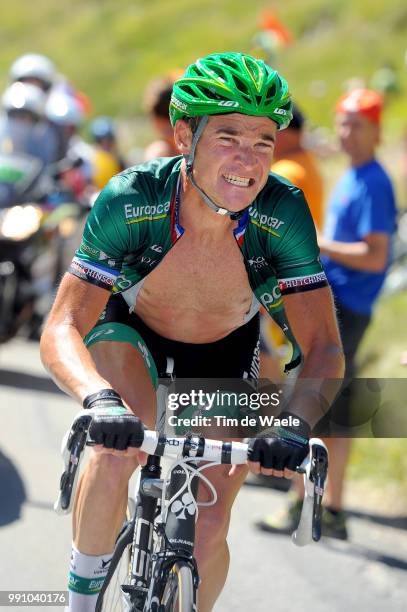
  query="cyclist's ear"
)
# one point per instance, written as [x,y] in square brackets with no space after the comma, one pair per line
[183,136]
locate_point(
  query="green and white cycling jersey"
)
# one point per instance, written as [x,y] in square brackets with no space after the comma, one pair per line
[135,222]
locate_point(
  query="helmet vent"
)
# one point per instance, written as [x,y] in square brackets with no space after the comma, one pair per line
[211,93]
[241,86]
[229,63]
[271,92]
[219,71]
[188,90]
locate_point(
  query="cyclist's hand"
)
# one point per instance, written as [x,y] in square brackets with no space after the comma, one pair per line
[114,429]
[282,453]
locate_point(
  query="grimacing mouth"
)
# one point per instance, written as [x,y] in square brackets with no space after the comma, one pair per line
[238,181]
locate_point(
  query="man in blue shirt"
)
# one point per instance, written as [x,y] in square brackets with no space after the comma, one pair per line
[361,214]
[355,250]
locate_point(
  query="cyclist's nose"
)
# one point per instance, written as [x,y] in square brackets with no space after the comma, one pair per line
[246,156]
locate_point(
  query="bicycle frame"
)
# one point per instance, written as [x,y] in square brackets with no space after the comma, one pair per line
[176,536]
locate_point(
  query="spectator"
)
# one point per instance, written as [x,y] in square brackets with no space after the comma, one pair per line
[361,218]
[107,160]
[157,100]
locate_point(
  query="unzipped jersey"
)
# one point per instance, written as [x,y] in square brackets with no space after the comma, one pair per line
[135,222]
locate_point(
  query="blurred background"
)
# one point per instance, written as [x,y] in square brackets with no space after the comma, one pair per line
[106,55]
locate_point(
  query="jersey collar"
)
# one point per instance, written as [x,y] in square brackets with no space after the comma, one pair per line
[176,228]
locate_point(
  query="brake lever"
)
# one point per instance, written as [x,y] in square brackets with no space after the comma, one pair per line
[72,448]
[318,474]
[314,468]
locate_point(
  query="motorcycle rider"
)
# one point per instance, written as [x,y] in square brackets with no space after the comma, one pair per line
[65,113]
[35,69]
[23,127]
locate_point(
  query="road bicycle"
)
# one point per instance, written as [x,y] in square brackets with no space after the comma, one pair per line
[153,568]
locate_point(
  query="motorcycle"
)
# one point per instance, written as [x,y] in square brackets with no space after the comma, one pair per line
[39,221]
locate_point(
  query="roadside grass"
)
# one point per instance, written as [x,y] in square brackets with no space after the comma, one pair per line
[377,474]
[381,463]
[111,50]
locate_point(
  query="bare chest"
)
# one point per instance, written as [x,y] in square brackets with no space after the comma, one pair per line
[204,276]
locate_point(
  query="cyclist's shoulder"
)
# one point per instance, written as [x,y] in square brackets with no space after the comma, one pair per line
[279,197]
[278,190]
[157,169]
[152,175]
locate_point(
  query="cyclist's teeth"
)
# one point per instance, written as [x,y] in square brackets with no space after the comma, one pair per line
[236,180]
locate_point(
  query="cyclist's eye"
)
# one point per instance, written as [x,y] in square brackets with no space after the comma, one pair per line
[265,146]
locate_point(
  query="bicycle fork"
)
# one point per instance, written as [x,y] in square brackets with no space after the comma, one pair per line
[149,491]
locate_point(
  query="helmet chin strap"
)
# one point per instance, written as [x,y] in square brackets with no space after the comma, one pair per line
[189,162]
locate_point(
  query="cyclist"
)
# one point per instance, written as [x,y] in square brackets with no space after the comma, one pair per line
[165,238]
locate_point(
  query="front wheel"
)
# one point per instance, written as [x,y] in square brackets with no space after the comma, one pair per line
[179,593]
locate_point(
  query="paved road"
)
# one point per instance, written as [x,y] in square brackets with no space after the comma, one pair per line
[267,572]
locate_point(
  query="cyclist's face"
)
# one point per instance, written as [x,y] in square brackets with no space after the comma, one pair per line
[233,158]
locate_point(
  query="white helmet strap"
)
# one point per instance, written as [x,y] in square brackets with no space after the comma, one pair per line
[190,161]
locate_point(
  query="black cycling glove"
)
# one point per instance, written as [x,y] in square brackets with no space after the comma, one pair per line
[113,425]
[287,448]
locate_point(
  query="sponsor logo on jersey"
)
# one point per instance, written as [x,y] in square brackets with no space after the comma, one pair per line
[271,299]
[94,252]
[257,262]
[148,261]
[87,248]
[90,272]
[301,281]
[134,214]
[265,221]
[122,283]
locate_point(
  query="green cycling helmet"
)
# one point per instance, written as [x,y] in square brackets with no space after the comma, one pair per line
[231,83]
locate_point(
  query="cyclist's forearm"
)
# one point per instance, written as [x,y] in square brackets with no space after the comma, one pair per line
[318,383]
[69,362]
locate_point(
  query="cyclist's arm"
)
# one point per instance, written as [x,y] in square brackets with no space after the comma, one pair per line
[312,319]
[309,308]
[83,294]
[77,306]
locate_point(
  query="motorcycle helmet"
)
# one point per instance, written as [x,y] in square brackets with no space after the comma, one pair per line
[24,97]
[33,66]
[63,109]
